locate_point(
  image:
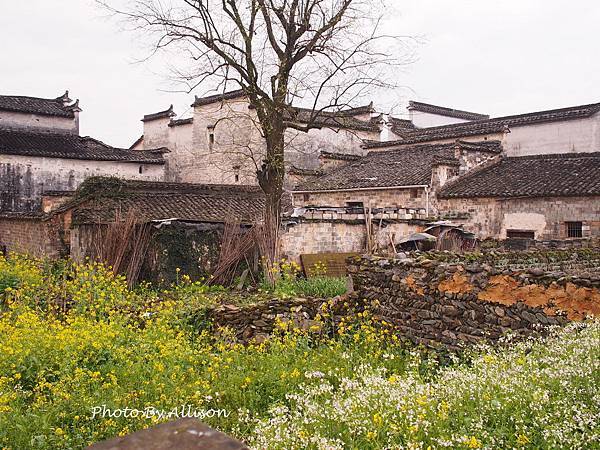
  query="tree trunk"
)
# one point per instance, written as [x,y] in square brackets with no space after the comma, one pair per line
[271,178]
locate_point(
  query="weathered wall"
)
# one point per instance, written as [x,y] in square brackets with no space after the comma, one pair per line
[17,120]
[491,218]
[339,236]
[31,236]
[434,302]
[569,136]
[238,146]
[423,119]
[257,322]
[303,149]
[23,179]
[384,198]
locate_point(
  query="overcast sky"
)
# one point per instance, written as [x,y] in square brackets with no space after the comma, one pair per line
[482,55]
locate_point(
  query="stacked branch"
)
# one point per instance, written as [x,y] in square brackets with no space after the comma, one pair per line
[236,244]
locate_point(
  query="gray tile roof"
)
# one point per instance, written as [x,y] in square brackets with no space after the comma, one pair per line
[444,111]
[570,174]
[201,101]
[167,113]
[392,168]
[489,126]
[69,146]
[182,201]
[35,105]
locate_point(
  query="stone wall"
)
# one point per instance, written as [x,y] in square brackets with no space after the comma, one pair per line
[443,299]
[546,217]
[415,199]
[257,322]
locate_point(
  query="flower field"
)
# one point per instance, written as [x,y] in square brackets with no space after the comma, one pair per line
[74,338]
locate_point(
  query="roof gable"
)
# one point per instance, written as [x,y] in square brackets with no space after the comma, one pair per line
[35,105]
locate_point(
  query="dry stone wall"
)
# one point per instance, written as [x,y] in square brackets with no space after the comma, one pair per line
[435,299]
[257,322]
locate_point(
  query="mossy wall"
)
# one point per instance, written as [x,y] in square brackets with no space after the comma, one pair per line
[192,248]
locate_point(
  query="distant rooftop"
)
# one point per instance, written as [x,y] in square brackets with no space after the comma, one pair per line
[69,146]
[42,106]
[444,111]
[167,113]
[487,126]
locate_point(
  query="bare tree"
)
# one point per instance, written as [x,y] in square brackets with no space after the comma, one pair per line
[279,52]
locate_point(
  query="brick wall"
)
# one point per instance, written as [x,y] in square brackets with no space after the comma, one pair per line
[31,236]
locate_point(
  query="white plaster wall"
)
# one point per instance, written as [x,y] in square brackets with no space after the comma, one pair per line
[569,136]
[31,176]
[424,120]
[156,133]
[302,149]
[523,221]
[239,148]
[16,120]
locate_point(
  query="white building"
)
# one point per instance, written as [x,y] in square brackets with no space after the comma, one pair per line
[41,151]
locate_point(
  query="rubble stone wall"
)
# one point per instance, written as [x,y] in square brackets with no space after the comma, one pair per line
[257,322]
[445,299]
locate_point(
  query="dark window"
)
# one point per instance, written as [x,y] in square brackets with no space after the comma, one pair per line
[141,169]
[355,205]
[306,197]
[574,229]
[520,234]
[415,193]
[211,137]
[237,178]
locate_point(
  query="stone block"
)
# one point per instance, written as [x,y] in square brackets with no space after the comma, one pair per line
[182,434]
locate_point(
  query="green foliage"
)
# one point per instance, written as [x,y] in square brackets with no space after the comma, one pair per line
[362,388]
[101,186]
[290,283]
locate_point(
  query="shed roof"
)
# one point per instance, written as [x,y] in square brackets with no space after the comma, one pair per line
[156,201]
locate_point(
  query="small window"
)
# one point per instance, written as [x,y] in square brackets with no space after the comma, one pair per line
[415,193]
[141,169]
[574,229]
[237,178]
[520,234]
[306,197]
[211,137]
[355,205]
